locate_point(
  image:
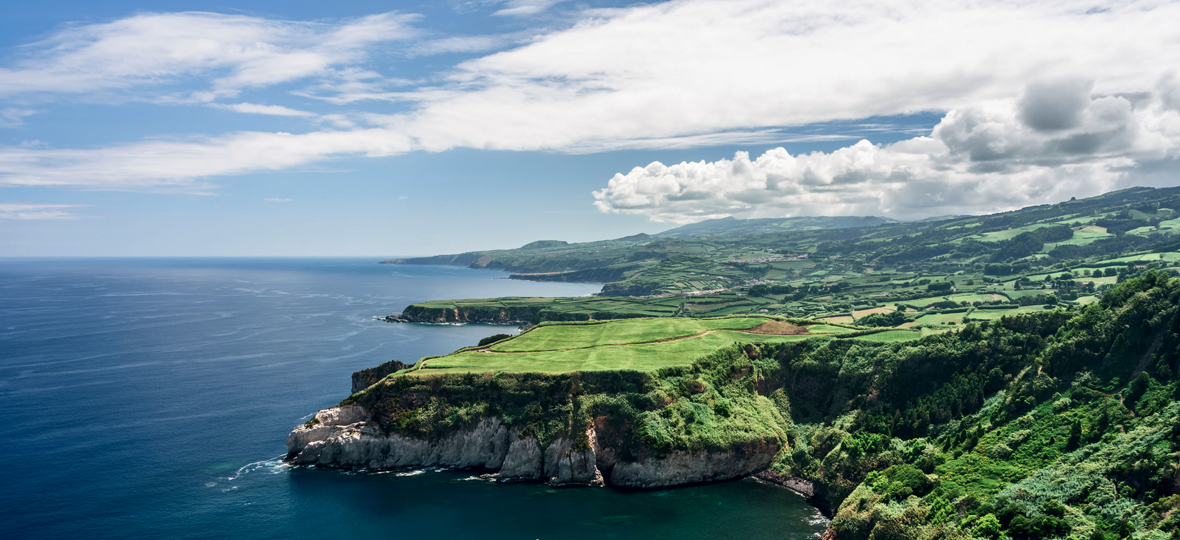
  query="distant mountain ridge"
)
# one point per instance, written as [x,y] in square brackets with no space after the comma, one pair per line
[730,226]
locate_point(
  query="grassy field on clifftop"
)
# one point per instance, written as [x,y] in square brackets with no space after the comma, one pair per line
[628,344]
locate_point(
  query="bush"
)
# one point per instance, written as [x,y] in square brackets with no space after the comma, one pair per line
[493,339]
[987,527]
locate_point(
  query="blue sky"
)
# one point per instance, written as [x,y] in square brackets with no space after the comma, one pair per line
[366,128]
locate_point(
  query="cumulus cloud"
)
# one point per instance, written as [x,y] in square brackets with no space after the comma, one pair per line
[36,211]
[675,74]
[994,156]
[232,52]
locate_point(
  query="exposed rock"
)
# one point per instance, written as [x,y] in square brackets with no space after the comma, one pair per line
[345,437]
[566,466]
[680,467]
[793,483]
[368,377]
[523,461]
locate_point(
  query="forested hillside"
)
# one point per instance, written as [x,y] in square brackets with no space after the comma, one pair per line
[933,274]
[1059,423]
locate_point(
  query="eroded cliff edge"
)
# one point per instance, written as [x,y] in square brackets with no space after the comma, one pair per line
[346,437]
[675,427]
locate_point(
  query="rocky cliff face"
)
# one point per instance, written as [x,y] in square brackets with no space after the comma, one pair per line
[346,437]
[367,377]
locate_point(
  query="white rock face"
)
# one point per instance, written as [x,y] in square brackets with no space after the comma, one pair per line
[345,438]
[679,468]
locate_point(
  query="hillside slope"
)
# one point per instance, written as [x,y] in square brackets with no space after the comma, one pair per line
[1051,424]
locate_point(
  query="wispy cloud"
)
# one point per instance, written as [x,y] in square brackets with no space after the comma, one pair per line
[669,75]
[232,52]
[14,117]
[254,108]
[525,8]
[177,164]
[37,211]
[277,200]
[467,44]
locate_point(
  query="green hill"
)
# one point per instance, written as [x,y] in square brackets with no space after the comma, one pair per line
[1051,424]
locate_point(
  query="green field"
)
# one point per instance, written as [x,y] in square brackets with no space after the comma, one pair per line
[941,318]
[629,344]
[992,314]
[891,335]
[577,336]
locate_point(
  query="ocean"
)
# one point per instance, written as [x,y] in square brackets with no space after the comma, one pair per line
[150,398]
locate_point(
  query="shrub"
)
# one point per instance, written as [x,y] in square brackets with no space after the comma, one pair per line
[493,339]
[987,527]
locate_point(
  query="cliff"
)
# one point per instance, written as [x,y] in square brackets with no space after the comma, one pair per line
[624,429]
[346,437]
[368,377]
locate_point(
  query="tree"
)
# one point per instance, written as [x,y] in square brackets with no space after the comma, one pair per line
[987,527]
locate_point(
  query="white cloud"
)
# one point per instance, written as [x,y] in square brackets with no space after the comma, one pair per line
[525,8]
[232,52]
[467,44]
[699,67]
[175,164]
[277,200]
[36,211]
[676,74]
[14,117]
[254,108]
[995,156]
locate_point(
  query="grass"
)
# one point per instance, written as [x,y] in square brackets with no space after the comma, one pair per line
[941,318]
[826,329]
[923,302]
[862,312]
[890,335]
[972,297]
[637,357]
[1008,234]
[627,344]
[992,314]
[573,336]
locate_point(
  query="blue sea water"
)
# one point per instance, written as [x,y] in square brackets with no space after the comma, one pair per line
[150,398]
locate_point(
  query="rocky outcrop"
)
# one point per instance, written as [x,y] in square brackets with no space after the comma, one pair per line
[482,314]
[346,437]
[368,377]
[799,485]
[680,467]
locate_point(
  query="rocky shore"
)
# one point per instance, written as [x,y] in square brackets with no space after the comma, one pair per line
[346,437]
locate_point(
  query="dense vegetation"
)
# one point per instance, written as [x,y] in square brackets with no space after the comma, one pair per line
[1058,423]
[944,271]
[1041,401]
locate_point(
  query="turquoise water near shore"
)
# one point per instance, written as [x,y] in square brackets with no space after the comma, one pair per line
[149,398]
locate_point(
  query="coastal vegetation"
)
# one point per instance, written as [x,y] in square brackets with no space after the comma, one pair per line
[634,344]
[1007,376]
[937,273]
[1057,423]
